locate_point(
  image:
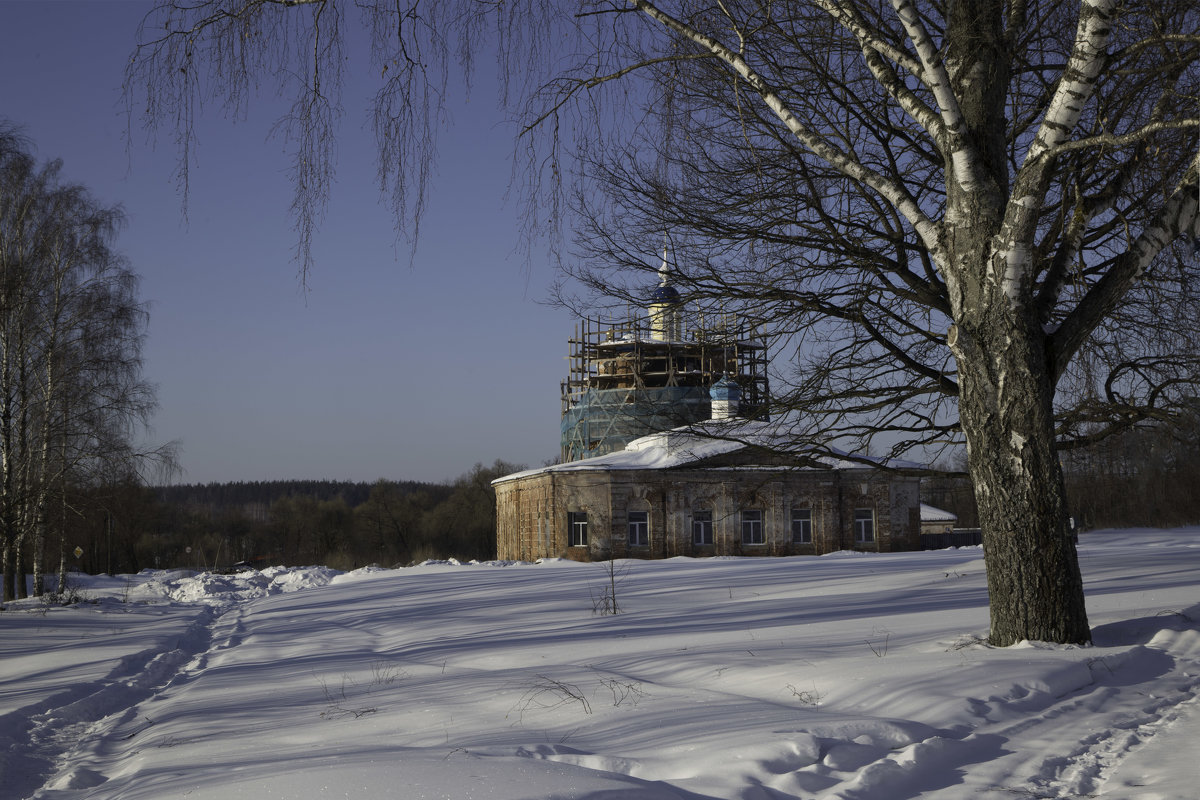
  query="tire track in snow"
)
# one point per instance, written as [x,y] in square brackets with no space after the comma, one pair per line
[57,746]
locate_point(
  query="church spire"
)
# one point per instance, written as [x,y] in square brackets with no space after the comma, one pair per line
[666,319]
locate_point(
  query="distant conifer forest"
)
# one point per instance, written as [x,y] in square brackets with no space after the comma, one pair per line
[343,524]
[1146,476]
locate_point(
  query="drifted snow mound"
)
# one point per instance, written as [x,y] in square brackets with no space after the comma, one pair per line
[454,562]
[208,587]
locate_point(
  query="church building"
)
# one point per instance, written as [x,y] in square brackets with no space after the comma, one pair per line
[667,451]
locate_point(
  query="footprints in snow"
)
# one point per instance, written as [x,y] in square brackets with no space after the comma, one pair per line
[1088,721]
[72,731]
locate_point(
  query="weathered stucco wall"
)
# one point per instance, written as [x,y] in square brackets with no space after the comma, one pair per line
[532,511]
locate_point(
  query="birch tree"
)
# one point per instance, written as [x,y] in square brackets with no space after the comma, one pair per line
[71,324]
[970,222]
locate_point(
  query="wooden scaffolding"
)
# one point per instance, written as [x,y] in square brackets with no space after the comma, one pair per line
[623,383]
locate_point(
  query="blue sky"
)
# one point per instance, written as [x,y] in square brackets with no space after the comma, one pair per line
[380,369]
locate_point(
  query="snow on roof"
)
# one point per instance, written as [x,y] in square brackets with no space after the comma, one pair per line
[931,514]
[680,446]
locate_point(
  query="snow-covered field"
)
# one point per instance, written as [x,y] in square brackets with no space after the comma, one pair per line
[848,676]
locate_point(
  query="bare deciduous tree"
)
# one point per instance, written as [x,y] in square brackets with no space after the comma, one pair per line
[71,324]
[972,220]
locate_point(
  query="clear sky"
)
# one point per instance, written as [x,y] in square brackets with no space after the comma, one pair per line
[379,370]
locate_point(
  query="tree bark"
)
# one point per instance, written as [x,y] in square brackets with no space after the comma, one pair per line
[1034,584]
[9,567]
[1006,374]
[8,531]
[19,570]
[38,555]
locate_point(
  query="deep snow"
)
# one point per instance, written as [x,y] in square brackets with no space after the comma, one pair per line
[844,676]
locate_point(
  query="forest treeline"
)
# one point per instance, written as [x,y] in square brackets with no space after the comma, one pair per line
[340,524]
[1143,477]
[1146,476]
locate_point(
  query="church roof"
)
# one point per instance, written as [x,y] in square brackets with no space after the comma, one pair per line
[931,514]
[682,446]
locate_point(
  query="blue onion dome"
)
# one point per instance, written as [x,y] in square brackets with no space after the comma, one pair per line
[664,294]
[725,389]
